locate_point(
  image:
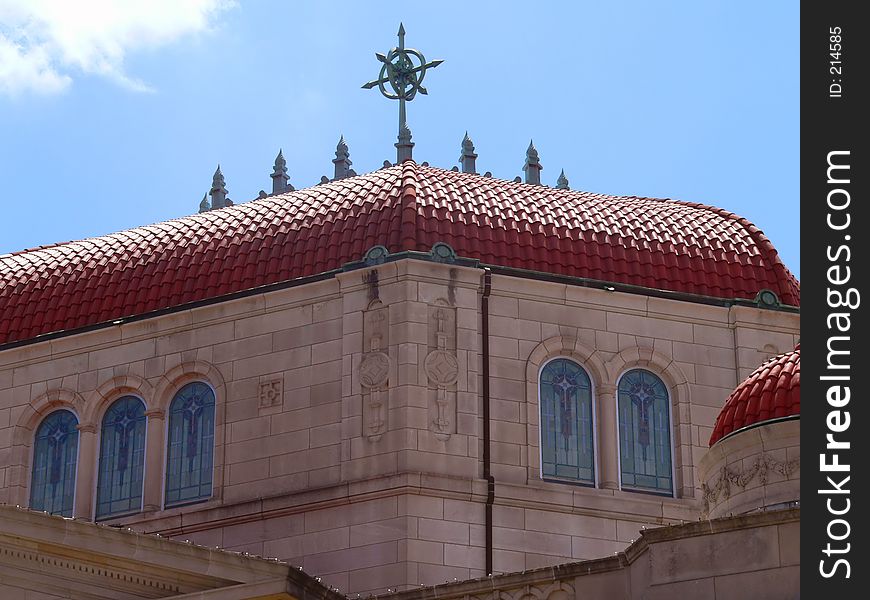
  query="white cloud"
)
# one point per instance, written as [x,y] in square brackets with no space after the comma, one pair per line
[45,43]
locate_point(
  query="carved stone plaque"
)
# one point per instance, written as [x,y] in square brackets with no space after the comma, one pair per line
[271,393]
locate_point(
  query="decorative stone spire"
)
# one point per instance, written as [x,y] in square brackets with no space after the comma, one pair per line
[279,175]
[533,166]
[562,182]
[404,147]
[342,160]
[218,191]
[204,206]
[467,158]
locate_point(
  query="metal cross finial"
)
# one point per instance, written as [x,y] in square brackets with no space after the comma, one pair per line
[403,69]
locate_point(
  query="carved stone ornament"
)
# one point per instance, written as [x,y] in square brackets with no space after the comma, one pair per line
[270,393]
[557,590]
[442,368]
[375,366]
[374,370]
[719,489]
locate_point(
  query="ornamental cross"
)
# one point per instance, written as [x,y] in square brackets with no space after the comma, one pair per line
[403,69]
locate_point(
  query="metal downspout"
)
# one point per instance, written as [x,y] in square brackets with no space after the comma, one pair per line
[490,480]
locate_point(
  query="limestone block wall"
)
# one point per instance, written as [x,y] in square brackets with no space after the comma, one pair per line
[349,431]
[273,361]
[700,351]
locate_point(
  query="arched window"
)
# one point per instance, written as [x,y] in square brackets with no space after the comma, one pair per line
[567,443]
[644,433]
[191,445]
[55,450]
[122,458]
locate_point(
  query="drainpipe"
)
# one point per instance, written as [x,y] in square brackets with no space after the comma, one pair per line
[490,480]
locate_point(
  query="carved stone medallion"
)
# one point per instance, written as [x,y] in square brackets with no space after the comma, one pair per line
[374,370]
[442,368]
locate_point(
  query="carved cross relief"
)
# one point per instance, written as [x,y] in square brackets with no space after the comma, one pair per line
[442,370]
[374,371]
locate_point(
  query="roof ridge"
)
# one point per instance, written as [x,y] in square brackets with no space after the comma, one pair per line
[409,186]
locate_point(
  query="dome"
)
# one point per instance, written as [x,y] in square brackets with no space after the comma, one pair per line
[773,391]
[648,244]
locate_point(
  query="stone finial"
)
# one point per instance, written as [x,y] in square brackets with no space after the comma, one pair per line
[467,158]
[404,147]
[279,175]
[204,206]
[562,182]
[533,166]
[218,191]
[342,160]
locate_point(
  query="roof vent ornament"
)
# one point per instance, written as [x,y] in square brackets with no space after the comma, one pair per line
[767,299]
[403,69]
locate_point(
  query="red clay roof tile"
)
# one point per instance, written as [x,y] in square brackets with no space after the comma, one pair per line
[660,244]
[771,392]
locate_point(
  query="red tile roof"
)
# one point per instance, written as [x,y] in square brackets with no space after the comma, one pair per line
[662,244]
[771,392]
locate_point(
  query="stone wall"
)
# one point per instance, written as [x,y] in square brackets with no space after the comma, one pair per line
[754,557]
[349,416]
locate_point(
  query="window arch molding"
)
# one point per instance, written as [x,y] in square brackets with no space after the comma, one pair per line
[176,378]
[23,438]
[677,385]
[105,395]
[547,350]
[164,393]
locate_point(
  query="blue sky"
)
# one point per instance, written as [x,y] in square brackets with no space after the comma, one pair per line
[117,120]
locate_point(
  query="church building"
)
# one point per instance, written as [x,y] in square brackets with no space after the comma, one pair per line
[408,378]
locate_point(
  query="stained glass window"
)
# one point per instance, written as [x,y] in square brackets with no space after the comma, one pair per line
[644,432]
[55,450]
[191,445]
[122,458]
[566,422]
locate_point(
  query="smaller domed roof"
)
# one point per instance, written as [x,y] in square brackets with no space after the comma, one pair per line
[772,391]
